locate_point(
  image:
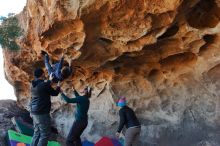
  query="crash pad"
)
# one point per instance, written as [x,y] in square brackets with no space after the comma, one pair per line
[22,126]
[116,142]
[122,141]
[18,139]
[104,141]
[87,143]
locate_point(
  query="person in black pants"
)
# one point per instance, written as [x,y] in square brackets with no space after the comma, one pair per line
[128,119]
[81,116]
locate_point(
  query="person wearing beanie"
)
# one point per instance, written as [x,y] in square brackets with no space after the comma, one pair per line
[81,116]
[128,119]
[40,105]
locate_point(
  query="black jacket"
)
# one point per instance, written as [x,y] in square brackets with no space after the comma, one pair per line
[41,91]
[127,118]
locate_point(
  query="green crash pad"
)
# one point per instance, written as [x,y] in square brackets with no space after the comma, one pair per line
[22,126]
[14,136]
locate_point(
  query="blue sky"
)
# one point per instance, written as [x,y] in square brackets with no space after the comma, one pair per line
[8,6]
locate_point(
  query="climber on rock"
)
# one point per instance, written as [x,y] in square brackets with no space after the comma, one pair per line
[57,71]
[128,119]
[81,116]
[40,105]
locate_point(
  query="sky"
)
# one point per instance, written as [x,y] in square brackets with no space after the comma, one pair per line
[8,6]
[11,6]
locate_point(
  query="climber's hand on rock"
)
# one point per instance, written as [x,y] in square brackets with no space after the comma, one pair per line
[63,55]
[43,52]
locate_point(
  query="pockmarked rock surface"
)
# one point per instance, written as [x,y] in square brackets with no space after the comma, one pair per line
[163,55]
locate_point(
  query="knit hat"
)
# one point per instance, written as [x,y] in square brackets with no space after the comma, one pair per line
[122,101]
[38,72]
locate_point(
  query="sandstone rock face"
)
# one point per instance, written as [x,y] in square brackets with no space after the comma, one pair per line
[163,55]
